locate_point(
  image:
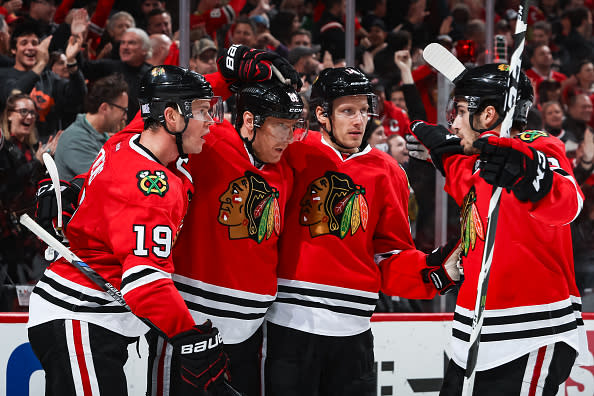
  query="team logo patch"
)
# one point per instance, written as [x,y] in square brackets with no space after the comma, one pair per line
[249,207]
[333,204]
[503,67]
[152,183]
[157,71]
[472,225]
[531,135]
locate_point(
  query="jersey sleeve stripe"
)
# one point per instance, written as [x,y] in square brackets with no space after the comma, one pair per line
[136,277]
[195,291]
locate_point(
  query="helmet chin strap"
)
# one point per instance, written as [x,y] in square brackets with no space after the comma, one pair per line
[178,137]
[250,148]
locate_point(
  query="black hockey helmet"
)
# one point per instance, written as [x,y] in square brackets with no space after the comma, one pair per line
[268,98]
[163,86]
[333,83]
[487,85]
[172,86]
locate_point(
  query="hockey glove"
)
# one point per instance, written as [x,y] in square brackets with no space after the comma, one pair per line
[443,267]
[438,140]
[244,64]
[513,164]
[199,359]
[415,148]
[46,212]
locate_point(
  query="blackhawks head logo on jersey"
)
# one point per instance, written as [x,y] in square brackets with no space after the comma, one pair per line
[249,207]
[334,204]
[472,225]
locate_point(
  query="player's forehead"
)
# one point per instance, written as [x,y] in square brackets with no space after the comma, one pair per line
[351,100]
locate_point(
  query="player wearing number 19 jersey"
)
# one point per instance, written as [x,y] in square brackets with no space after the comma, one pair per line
[131,210]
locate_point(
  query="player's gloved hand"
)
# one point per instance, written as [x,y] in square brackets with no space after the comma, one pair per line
[415,148]
[443,267]
[200,359]
[46,212]
[245,64]
[513,164]
[438,140]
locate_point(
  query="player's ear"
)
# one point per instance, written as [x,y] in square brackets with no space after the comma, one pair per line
[322,115]
[489,116]
[247,129]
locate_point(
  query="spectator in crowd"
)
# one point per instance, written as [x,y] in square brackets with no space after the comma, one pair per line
[41,13]
[577,45]
[106,108]
[299,38]
[579,113]
[58,64]
[302,59]
[397,149]
[51,93]
[135,49]
[331,29]
[5,59]
[376,135]
[397,97]
[159,21]
[377,36]
[204,56]
[553,115]
[115,29]
[541,60]
[244,32]
[283,24]
[549,90]
[584,155]
[21,167]
[542,34]
[377,11]
[146,6]
[160,45]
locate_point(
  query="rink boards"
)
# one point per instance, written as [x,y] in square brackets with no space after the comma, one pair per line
[409,350]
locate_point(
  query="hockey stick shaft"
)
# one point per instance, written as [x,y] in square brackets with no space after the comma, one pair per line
[494,205]
[279,75]
[97,279]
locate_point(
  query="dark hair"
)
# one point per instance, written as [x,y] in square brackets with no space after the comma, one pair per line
[156,11]
[546,86]
[580,64]
[53,58]
[246,21]
[23,29]
[106,89]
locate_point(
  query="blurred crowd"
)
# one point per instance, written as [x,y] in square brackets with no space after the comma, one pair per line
[69,73]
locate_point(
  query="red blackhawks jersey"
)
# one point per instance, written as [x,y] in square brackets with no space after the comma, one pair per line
[226,255]
[131,209]
[346,236]
[532,300]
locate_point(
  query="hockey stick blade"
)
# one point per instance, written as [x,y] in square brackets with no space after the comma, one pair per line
[443,61]
[225,388]
[53,173]
[279,75]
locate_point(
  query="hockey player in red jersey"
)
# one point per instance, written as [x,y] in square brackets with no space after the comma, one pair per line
[226,255]
[346,235]
[131,210]
[533,327]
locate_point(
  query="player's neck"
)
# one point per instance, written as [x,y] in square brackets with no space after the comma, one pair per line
[161,144]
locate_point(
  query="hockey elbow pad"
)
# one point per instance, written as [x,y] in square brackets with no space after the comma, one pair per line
[444,267]
[438,140]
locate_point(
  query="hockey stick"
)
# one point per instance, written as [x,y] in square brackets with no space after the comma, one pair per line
[279,75]
[443,61]
[97,279]
[494,203]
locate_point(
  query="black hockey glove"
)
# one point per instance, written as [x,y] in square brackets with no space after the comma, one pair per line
[438,140]
[244,64]
[443,267]
[46,212]
[199,360]
[512,164]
